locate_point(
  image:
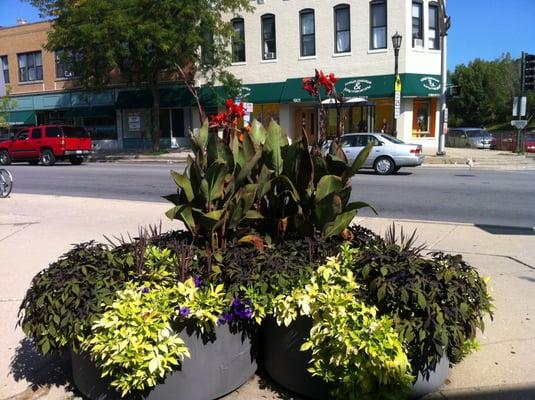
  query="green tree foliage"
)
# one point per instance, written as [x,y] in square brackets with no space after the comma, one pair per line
[6,104]
[487,91]
[143,40]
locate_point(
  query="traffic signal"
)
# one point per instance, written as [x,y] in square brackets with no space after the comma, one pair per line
[529,72]
[454,91]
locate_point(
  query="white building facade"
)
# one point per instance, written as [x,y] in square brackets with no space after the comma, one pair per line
[283,41]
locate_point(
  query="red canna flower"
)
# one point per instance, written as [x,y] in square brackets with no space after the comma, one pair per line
[310,86]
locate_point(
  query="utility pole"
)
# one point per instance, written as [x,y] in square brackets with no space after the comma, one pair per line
[444,23]
[519,146]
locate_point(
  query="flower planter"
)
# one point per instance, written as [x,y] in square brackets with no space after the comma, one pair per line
[428,384]
[218,365]
[286,363]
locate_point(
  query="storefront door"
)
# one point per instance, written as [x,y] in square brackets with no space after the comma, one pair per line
[306,121]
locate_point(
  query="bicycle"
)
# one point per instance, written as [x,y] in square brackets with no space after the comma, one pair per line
[6,182]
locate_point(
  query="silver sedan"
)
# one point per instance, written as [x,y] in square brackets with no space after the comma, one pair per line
[388,154]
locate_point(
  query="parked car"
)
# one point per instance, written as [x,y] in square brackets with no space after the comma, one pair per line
[388,154]
[47,144]
[468,137]
[529,143]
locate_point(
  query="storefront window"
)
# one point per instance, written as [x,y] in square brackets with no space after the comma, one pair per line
[264,113]
[423,121]
[359,119]
[101,128]
[384,115]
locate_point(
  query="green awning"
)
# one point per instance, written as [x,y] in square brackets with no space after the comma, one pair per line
[413,85]
[88,112]
[262,93]
[170,97]
[21,118]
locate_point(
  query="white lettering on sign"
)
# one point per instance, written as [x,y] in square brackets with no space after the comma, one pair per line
[134,122]
[357,86]
[430,83]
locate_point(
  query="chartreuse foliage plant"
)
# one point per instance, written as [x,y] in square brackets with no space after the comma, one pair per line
[437,303]
[351,346]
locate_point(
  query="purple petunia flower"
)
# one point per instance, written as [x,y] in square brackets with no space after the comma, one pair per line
[242,309]
[184,311]
[198,281]
[145,290]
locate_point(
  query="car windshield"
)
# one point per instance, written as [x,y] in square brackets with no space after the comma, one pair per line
[392,139]
[478,133]
[75,132]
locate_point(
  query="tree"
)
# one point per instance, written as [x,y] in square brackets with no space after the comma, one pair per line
[142,40]
[6,104]
[487,91]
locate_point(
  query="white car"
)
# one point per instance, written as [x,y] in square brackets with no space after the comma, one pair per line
[388,154]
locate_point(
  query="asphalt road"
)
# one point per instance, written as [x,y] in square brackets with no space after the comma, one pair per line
[504,198]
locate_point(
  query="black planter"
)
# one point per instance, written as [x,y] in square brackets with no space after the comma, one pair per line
[429,383]
[219,364]
[286,363]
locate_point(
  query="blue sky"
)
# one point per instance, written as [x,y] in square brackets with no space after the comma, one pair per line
[480,28]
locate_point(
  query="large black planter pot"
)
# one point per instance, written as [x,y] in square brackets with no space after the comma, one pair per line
[286,363]
[218,365]
[432,381]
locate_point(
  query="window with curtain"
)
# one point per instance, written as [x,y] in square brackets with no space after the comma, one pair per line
[378,25]
[238,41]
[5,68]
[342,28]
[417,24]
[308,33]
[433,35]
[30,67]
[269,44]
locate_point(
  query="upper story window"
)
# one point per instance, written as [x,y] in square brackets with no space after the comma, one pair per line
[238,40]
[30,66]
[5,68]
[433,35]
[63,64]
[269,43]
[378,25]
[207,49]
[417,24]
[308,33]
[342,29]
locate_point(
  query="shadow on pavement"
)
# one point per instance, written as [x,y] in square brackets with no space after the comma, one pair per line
[498,393]
[506,230]
[38,370]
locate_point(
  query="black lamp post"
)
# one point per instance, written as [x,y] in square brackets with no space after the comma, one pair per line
[396,43]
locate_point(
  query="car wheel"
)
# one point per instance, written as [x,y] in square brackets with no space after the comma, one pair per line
[384,166]
[397,169]
[48,158]
[76,160]
[5,159]
[33,162]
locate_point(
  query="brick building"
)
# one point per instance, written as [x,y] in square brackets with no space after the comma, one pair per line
[277,45]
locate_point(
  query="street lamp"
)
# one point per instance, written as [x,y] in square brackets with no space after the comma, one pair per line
[396,43]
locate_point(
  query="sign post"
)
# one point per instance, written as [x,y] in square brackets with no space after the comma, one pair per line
[397,98]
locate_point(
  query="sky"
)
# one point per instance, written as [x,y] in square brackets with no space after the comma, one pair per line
[480,28]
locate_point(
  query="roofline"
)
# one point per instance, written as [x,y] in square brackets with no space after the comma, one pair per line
[27,24]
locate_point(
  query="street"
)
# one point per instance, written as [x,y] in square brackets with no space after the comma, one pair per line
[490,197]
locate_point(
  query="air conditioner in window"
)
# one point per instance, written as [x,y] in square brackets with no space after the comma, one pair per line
[417,43]
[261,1]
[68,74]
[269,55]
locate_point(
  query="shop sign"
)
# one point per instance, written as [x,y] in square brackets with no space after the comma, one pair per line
[430,83]
[357,86]
[134,122]
[397,104]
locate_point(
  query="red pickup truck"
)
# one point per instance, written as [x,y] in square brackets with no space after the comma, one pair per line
[47,143]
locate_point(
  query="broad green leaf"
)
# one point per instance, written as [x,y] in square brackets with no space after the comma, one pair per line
[327,185]
[183,213]
[335,166]
[173,198]
[341,222]
[327,209]
[237,151]
[248,167]
[252,214]
[258,133]
[210,220]
[218,150]
[153,365]
[212,185]
[274,143]
[183,183]
[359,162]
[357,205]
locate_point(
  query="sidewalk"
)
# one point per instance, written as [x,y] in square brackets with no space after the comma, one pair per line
[35,230]
[455,157]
